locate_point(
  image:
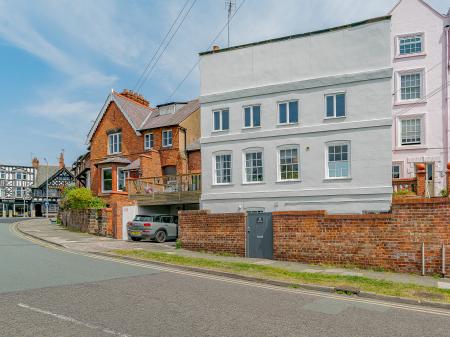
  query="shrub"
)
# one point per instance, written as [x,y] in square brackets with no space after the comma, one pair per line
[444,193]
[178,244]
[80,198]
[403,192]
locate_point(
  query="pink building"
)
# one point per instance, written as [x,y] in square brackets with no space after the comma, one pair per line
[420,127]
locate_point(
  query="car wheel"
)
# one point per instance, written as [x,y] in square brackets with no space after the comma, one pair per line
[160,236]
[136,239]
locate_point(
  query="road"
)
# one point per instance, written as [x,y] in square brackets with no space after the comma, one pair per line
[52,292]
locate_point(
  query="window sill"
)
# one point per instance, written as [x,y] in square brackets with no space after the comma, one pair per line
[167,147]
[279,125]
[406,56]
[410,147]
[114,154]
[333,118]
[337,179]
[251,128]
[222,185]
[218,132]
[253,183]
[410,102]
[288,181]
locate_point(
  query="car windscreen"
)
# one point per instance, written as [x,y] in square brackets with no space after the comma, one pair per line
[144,218]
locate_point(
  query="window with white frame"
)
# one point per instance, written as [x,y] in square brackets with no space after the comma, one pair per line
[396,170]
[288,163]
[148,141]
[115,143]
[167,138]
[222,168]
[21,176]
[252,116]
[410,44]
[338,160]
[122,175]
[335,105]
[253,166]
[288,112]
[221,120]
[20,192]
[107,179]
[411,131]
[411,86]
[2,175]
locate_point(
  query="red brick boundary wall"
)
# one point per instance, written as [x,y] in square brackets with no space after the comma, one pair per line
[217,233]
[92,221]
[391,241]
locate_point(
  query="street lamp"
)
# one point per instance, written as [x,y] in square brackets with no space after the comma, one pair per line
[46,190]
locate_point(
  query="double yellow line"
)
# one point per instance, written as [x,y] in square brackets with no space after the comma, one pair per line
[426,310]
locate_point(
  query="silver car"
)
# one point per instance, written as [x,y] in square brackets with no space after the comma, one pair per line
[153,227]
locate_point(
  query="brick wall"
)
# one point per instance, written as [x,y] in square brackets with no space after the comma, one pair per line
[218,233]
[390,241]
[92,221]
[194,161]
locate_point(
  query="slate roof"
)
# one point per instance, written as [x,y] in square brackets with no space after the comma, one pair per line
[115,160]
[157,121]
[135,165]
[41,174]
[135,111]
[193,146]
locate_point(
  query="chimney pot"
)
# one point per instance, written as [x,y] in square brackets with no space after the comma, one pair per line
[61,160]
[35,162]
[216,48]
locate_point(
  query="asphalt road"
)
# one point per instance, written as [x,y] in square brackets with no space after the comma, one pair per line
[48,292]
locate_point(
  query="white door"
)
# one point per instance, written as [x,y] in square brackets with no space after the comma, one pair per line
[429,176]
[128,214]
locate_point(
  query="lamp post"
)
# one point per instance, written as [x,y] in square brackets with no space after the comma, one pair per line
[46,190]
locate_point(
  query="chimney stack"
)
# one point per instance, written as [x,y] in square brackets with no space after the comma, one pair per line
[35,163]
[135,97]
[61,161]
[215,48]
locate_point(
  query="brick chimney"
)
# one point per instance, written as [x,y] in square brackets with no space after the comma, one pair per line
[135,97]
[61,160]
[35,163]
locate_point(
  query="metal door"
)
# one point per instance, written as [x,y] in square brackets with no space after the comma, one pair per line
[429,188]
[259,235]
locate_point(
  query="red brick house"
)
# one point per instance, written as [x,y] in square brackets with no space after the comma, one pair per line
[143,156]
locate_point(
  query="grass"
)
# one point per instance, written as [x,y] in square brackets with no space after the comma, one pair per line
[382,287]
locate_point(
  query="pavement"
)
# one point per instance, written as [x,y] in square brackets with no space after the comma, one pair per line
[47,291]
[51,232]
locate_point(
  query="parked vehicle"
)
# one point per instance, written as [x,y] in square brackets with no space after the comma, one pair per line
[153,227]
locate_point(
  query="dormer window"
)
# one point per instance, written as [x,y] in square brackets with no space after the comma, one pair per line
[115,143]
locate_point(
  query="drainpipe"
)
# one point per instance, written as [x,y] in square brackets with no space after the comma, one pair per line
[446,95]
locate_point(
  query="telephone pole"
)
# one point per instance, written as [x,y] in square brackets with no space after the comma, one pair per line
[229,4]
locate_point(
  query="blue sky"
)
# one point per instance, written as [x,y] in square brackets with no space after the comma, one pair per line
[60,59]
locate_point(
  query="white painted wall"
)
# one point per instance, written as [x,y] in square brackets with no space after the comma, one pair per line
[354,60]
[409,17]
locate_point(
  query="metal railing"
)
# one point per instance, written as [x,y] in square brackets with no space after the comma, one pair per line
[164,184]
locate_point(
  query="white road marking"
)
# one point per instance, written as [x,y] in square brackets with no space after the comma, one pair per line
[414,308]
[72,320]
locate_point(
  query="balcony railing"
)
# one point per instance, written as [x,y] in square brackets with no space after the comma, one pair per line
[177,189]
[405,185]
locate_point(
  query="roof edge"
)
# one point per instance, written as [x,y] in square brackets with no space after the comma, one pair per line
[295,36]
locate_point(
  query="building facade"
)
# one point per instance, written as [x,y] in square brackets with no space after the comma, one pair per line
[15,189]
[420,55]
[143,159]
[299,123]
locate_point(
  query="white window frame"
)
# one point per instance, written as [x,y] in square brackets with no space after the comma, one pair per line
[288,112]
[115,140]
[397,44]
[2,175]
[334,94]
[165,139]
[400,171]
[214,160]
[119,169]
[220,111]
[22,192]
[252,122]
[288,147]
[150,142]
[349,159]
[244,164]
[102,178]
[398,86]
[422,130]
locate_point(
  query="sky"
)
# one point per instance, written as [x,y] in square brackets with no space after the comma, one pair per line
[59,59]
